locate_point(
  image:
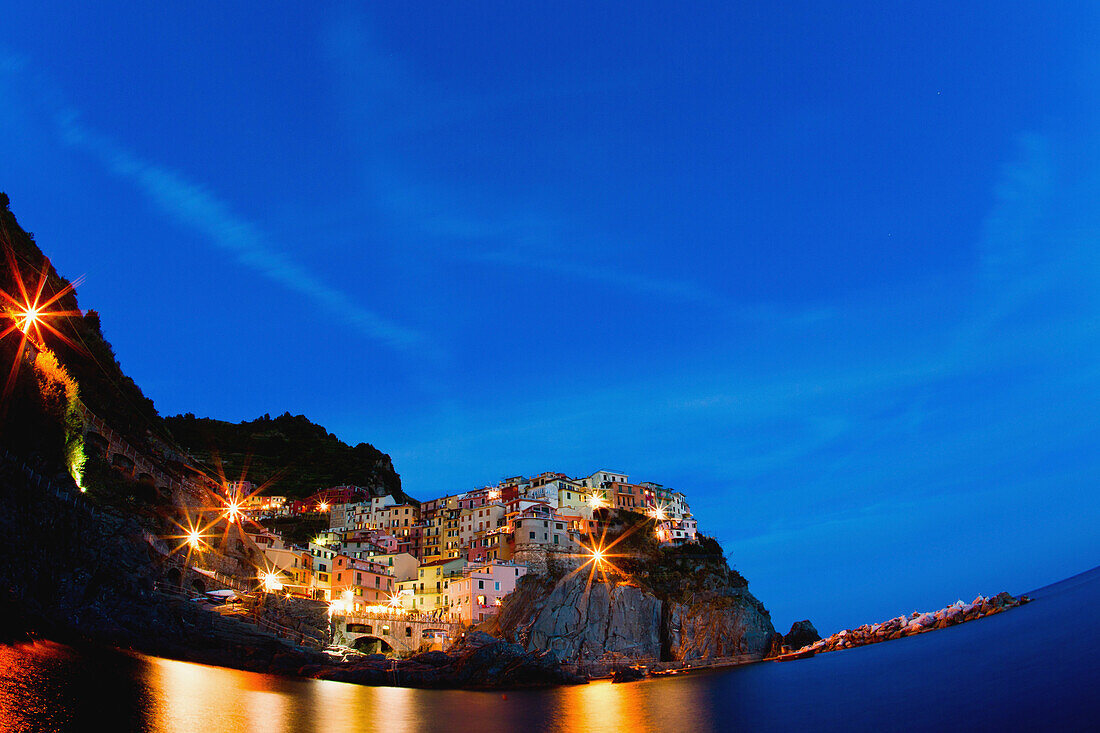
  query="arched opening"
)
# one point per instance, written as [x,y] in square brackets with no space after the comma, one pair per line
[175,577]
[122,463]
[371,645]
[95,443]
[198,586]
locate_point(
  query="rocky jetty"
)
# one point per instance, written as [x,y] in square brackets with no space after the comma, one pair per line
[915,623]
[479,661]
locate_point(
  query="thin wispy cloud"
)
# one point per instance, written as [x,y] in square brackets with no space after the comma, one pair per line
[198,207]
[201,209]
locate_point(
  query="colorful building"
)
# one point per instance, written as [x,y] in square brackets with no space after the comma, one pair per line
[479,592]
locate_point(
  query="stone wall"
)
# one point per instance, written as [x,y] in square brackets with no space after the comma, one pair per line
[303,615]
[545,559]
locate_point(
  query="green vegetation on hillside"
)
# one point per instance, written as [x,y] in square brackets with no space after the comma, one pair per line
[295,455]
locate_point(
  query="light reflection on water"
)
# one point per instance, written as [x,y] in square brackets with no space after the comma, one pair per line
[51,687]
[189,697]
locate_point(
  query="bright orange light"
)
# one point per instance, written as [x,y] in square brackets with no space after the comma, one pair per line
[192,538]
[232,510]
[658,513]
[597,501]
[322,507]
[27,311]
[30,319]
[271,581]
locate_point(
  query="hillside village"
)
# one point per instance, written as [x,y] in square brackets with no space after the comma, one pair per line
[455,557]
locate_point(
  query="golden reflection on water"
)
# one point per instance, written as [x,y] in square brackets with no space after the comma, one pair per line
[193,697]
[52,687]
[649,705]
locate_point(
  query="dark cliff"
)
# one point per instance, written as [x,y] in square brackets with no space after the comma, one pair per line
[87,566]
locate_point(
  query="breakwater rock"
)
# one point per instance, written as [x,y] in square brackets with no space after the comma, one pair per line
[916,623]
[802,634]
[479,661]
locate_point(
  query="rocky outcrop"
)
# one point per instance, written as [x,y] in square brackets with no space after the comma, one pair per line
[718,626]
[916,623]
[802,634]
[599,623]
[305,616]
[479,661]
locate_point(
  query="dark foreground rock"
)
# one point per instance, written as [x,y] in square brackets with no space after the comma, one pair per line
[89,579]
[479,662]
[627,674]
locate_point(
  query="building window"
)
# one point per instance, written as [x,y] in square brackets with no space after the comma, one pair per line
[481,584]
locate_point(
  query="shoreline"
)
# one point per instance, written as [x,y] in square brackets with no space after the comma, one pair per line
[434,670]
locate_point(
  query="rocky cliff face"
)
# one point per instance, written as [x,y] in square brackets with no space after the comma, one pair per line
[579,623]
[608,623]
[719,626]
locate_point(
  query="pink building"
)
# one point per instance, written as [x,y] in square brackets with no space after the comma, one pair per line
[477,595]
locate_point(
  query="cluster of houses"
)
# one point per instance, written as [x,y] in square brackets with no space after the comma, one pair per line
[454,557]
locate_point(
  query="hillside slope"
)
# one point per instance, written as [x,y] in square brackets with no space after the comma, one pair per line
[83,352]
[297,456]
[303,456]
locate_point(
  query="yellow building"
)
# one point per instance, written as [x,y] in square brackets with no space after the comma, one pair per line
[433,583]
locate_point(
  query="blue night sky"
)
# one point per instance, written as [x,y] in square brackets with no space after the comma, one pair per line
[830,268]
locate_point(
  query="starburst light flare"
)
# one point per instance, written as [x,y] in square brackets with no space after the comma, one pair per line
[30,314]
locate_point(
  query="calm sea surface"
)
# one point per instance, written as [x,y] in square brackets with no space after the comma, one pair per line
[1033,668]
